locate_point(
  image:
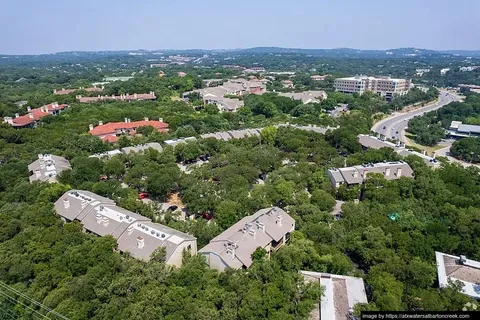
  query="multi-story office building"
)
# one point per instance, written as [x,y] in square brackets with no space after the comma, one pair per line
[384,86]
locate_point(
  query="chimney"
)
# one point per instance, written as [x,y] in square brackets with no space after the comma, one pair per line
[8,120]
[152,93]
[66,203]
[140,242]
[126,120]
[279,220]
[30,115]
[56,104]
[251,232]
[29,109]
[99,218]
[100,123]
[355,174]
[130,229]
[387,172]
[90,127]
[105,221]
[146,119]
[134,96]
[160,119]
[399,172]
[424,152]
[434,155]
[17,115]
[129,120]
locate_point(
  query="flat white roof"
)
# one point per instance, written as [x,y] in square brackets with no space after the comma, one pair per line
[468,272]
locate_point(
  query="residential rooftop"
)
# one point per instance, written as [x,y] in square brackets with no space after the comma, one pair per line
[122,97]
[234,247]
[142,147]
[306,96]
[373,142]
[358,174]
[47,167]
[125,128]
[34,115]
[64,91]
[135,234]
[459,268]
[341,294]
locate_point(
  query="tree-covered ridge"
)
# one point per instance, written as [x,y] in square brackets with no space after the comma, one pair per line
[429,128]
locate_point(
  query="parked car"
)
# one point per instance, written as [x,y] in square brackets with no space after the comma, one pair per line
[143,195]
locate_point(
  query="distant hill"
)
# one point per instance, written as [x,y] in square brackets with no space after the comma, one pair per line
[332,53]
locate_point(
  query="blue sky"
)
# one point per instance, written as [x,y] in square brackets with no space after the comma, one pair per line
[46,26]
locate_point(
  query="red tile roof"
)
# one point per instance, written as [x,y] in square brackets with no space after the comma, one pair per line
[36,114]
[123,97]
[112,127]
[110,139]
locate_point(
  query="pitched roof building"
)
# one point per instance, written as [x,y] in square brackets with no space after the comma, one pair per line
[30,119]
[122,97]
[368,141]
[64,91]
[142,147]
[234,87]
[112,131]
[358,174]
[268,228]
[341,294]
[47,167]
[306,96]
[135,234]
[460,268]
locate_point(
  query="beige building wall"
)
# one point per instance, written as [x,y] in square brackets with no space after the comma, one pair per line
[176,258]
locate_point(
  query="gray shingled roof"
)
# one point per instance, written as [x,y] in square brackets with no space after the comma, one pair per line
[373,142]
[247,235]
[142,147]
[47,167]
[357,174]
[154,235]
[310,96]
[101,216]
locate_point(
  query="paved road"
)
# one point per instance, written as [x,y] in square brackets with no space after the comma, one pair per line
[393,127]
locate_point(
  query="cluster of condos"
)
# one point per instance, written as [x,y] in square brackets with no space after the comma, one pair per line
[221,95]
[383,86]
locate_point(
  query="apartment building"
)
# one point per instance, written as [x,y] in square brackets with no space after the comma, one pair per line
[64,91]
[30,119]
[268,228]
[233,87]
[384,86]
[135,234]
[358,174]
[112,131]
[123,97]
[459,268]
[47,167]
[368,141]
[341,294]
[311,96]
